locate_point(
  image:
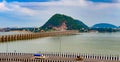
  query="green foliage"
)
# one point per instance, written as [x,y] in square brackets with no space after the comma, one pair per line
[57,19]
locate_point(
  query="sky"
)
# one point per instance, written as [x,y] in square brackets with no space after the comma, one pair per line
[35,13]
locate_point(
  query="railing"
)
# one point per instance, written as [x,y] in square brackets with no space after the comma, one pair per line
[30,60]
[4,57]
[106,58]
[87,56]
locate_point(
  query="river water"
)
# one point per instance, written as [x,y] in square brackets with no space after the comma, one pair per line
[97,43]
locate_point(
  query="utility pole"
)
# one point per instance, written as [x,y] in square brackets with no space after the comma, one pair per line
[7,47]
[60,47]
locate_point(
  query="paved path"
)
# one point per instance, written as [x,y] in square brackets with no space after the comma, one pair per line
[22,58]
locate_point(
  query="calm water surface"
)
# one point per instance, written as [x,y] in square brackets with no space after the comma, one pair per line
[98,43]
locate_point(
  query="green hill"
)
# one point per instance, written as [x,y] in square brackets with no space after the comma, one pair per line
[63,22]
[105,27]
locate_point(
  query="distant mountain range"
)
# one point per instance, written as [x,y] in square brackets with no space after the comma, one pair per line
[104,25]
[61,22]
[32,29]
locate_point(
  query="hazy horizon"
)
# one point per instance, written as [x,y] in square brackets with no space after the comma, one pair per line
[29,13]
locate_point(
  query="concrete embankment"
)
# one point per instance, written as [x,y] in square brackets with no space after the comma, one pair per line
[4,38]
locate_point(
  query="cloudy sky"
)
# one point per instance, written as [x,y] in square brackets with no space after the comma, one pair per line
[34,13]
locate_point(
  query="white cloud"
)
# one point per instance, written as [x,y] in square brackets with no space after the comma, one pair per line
[69,3]
[23,10]
[3,7]
[88,12]
[57,3]
[66,3]
[118,1]
[26,7]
